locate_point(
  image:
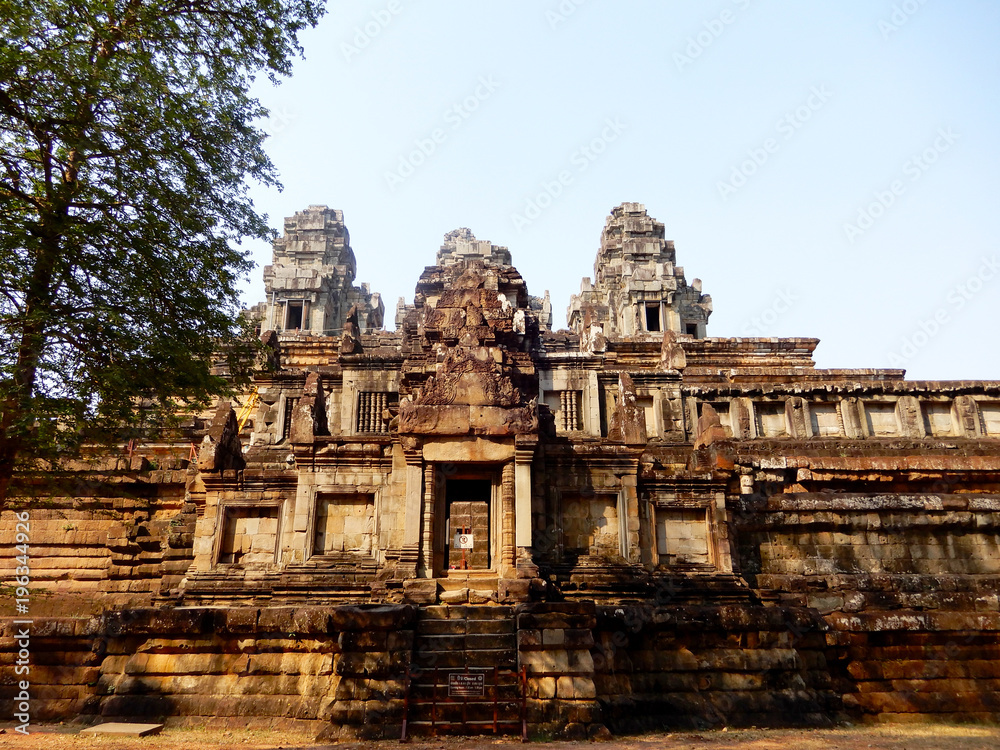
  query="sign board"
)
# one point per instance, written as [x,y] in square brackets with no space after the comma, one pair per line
[463,541]
[466,685]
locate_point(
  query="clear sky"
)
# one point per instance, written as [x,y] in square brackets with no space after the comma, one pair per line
[828,169]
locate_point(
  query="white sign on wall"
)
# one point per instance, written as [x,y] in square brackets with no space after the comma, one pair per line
[463,541]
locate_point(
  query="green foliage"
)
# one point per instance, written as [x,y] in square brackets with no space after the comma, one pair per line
[127,136]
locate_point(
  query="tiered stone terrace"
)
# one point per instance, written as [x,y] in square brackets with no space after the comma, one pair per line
[675,530]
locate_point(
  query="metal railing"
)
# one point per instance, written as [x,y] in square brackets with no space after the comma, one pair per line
[469,687]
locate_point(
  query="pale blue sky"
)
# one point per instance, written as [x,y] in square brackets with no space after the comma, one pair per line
[755,130]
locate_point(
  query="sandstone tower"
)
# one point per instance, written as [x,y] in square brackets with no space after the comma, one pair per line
[309,285]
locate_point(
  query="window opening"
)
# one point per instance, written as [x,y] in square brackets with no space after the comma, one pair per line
[293,316]
[653,318]
[371,409]
[569,411]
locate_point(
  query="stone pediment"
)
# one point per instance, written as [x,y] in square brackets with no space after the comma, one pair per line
[470,376]
[471,393]
[469,370]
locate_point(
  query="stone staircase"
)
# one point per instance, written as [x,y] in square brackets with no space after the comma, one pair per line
[470,646]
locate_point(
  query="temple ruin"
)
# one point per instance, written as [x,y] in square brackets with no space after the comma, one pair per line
[636,524]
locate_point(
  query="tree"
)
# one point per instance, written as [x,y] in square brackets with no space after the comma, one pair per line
[127,135]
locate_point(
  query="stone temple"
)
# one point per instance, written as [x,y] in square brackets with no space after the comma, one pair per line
[624,525]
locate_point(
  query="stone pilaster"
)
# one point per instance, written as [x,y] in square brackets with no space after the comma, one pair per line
[630,522]
[910,417]
[409,555]
[508,551]
[427,531]
[523,455]
[797,414]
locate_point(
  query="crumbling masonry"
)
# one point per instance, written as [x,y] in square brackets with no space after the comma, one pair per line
[659,527]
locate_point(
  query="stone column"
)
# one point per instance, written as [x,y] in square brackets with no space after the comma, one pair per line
[427,532]
[507,549]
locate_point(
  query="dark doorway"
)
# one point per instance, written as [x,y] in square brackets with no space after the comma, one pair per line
[294,317]
[653,318]
[467,524]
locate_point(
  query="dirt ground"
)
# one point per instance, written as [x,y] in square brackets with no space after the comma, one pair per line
[888,737]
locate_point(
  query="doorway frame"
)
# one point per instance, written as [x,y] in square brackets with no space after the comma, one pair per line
[484,472]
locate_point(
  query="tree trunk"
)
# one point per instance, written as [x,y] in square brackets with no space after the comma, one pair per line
[17,407]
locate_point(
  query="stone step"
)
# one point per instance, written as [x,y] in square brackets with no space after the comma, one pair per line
[472,642]
[464,627]
[472,627]
[466,612]
[503,658]
[440,627]
[491,627]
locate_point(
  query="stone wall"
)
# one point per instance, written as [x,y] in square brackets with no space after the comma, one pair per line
[907,584]
[342,670]
[555,643]
[118,532]
[274,667]
[697,667]
[64,658]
